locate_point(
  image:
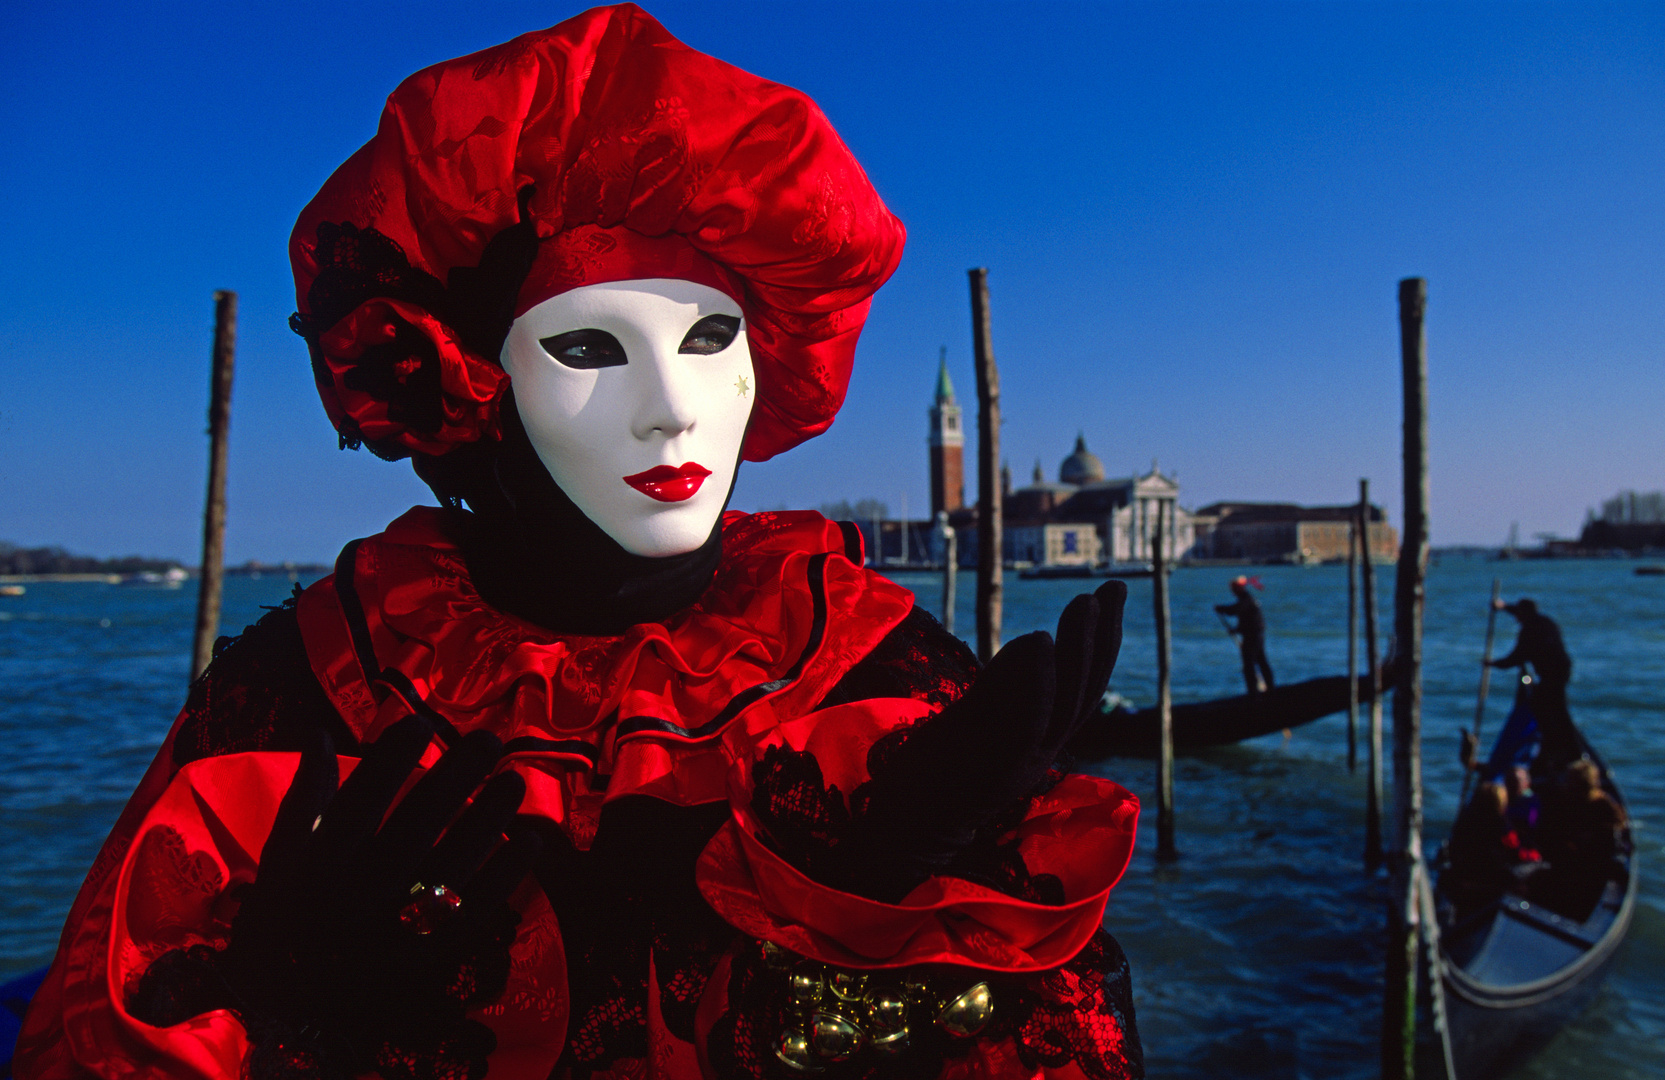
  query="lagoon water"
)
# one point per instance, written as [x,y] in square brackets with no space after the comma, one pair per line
[1257,954]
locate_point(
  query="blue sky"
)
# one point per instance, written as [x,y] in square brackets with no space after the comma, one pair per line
[1194,218]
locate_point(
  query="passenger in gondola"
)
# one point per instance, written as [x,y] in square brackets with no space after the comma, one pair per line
[1583,829]
[1539,645]
[1251,633]
[1484,850]
[1525,807]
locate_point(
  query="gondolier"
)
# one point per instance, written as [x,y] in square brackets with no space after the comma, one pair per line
[1251,633]
[1540,646]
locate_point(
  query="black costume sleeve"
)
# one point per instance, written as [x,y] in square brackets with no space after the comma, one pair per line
[259,693]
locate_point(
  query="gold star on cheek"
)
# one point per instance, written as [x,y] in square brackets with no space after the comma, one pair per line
[740,385]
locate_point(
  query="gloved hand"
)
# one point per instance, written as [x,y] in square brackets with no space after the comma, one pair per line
[956,772]
[361,943]
[1468,751]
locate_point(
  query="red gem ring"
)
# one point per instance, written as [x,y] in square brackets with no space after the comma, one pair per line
[432,906]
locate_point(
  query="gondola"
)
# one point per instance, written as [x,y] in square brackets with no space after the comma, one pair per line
[1196,725]
[1085,570]
[1516,969]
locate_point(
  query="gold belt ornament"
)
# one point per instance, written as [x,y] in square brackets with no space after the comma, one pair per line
[834,1015]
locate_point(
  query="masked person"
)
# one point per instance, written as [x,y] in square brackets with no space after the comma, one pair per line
[749,811]
[1539,645]
[1251,633]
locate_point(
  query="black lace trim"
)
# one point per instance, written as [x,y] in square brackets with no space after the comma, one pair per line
[331,1038]
[1080,1013]
[359,264]
[477,302]
[178,985]
[631,896]
[607,978]
[918,659]
[808,822]
[259,693]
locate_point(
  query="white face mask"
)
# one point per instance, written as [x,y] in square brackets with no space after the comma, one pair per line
[636,395]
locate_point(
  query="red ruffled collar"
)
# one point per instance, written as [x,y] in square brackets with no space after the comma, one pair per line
[399,627]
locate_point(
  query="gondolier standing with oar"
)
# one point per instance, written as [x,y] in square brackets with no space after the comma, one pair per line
[1250,632]
[1539,644]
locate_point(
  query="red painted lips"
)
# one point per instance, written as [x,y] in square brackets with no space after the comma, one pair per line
[670,485]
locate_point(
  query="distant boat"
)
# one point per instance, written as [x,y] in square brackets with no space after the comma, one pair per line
[1650,571]
[1517,970]
[1197,725]
[1084,570]
[1080,570]
[172,578]
[11,590]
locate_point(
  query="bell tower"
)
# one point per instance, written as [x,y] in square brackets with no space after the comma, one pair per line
[947,443]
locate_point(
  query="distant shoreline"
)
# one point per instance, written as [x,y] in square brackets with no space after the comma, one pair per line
[293,571]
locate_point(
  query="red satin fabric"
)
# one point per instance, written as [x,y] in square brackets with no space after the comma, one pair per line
[469,386]
[200,840]
[592,255]
[620,126]
[1082,831]
[479,667]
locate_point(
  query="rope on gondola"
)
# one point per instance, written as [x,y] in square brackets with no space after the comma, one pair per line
[1436,965]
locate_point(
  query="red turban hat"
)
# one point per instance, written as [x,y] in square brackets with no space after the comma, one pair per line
[602,149]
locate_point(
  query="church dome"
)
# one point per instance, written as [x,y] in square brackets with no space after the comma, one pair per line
[1082,466]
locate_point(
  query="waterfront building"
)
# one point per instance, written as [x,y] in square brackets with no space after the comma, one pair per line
[1054,544]
[1122,513]
[1287,533]
[1085,519]
[1629,521]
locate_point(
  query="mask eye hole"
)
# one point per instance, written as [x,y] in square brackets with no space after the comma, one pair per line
[712,334]
[585,349]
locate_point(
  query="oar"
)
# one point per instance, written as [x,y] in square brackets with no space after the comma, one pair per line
[1485,679]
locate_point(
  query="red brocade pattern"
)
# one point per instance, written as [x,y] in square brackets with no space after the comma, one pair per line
[618,967]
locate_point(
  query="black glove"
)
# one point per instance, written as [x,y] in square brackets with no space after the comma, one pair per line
[952,774]
[360,944]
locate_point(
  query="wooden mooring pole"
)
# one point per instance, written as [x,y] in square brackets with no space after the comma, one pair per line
[213,517]
[1353,644]
[1165,851]
[1409,596]
[989,541]
[1373,673]
[950,569]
